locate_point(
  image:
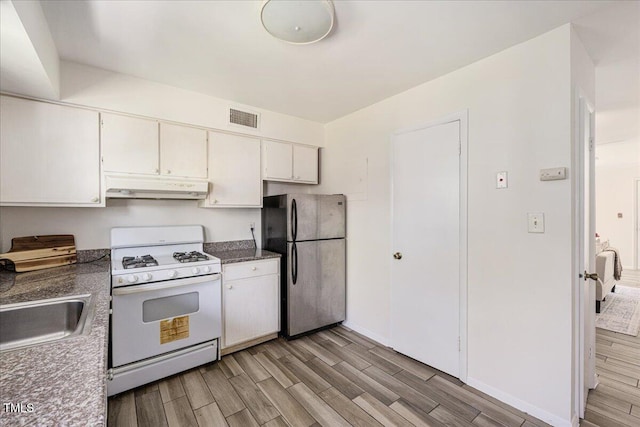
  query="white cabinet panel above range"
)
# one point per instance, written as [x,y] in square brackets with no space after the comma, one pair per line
[183,151]
[129,144]
[140,146]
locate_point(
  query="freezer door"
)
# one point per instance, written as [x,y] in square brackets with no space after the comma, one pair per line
[332,216]
[314,217]
[317,296]
[302,217]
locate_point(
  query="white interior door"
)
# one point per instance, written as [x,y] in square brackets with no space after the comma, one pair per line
[587,223]
[425,295]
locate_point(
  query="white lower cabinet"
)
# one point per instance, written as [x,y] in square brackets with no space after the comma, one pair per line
[250,302]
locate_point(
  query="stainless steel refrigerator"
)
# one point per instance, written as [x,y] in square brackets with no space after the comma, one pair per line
[309,231]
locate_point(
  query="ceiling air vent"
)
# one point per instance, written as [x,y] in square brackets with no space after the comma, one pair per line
[243,118]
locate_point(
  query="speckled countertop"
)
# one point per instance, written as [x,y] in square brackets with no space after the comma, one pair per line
[64,381]
[238,251]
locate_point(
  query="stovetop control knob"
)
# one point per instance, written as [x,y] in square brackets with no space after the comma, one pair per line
[172,273]
[195,270]
[206,269]
[146,277]
[132,278]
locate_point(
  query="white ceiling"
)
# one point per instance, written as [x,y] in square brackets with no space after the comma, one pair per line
[378,48]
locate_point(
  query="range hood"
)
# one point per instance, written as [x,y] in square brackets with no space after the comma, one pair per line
[133,187]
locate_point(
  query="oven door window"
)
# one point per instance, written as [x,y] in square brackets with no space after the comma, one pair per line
[167,307]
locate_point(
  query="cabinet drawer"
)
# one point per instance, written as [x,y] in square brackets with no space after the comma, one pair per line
[243,270]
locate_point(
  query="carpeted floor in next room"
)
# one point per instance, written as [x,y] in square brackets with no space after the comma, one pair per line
[616,399]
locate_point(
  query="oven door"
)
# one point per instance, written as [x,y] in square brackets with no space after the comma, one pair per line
[149,320]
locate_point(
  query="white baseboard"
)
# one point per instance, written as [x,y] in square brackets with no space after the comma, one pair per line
[367,333]
[526,407]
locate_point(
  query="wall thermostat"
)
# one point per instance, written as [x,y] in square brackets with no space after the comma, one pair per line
[553,174]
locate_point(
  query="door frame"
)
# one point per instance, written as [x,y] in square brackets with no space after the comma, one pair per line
[584,372]
[463,118]
[636,226]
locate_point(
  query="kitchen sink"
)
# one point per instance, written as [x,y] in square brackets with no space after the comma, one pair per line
[37,322]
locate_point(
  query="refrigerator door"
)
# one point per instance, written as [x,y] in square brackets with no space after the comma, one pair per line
[318,296]
[313,217]
[332,216]
[302,217]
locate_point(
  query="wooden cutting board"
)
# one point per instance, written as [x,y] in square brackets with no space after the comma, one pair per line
[39,252]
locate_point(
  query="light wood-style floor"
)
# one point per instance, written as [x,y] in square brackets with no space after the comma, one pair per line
[616,399]
[331,378]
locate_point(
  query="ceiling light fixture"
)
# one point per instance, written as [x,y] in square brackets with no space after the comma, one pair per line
[298,21]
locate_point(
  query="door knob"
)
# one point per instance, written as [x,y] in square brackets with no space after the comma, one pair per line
[592,276]
[397,255]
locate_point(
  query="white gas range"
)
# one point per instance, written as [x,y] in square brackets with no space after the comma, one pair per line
[166,304]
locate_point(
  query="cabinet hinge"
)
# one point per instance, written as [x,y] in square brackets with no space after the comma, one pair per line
[460,150]
[459,348]
[590,143]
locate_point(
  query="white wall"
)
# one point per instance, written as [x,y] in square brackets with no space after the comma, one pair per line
[29,61]
[94,87]
[519,284]
[617,168]
[91,226]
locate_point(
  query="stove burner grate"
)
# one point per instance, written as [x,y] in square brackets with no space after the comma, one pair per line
[137,262]
[192,256]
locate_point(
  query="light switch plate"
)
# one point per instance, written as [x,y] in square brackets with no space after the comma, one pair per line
[535,222]
[553,174]
[501,180]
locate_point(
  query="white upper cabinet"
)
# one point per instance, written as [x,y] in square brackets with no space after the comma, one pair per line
[183,151]
[305,163]
[129,144]
[234,171]
[142,146]
[284,161]
[278,164]
[49,154]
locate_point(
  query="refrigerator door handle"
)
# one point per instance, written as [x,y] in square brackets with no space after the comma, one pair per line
[294,220]
[294,264]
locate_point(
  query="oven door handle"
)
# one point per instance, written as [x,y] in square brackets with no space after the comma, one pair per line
[128,290]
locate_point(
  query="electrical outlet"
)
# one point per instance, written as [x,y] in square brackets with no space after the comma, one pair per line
[252,225]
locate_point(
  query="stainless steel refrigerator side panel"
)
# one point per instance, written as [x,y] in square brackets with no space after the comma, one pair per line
[318,298]
[274,224]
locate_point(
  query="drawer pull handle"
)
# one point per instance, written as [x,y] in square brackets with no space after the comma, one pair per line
[254,268]
[229,286]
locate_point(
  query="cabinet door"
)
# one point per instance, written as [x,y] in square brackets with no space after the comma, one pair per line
[305,163]
[129,144]
[250,308]
[278,160]
[234,170]
[183,151]
[49,154]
